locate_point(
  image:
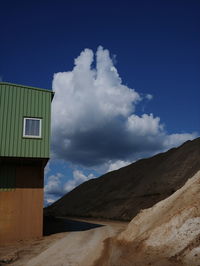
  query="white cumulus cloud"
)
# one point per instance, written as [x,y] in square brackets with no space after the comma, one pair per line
[94,118]
[57,186]
[54,185]
[149,96]
[78,178]
[146,125]
[117,165]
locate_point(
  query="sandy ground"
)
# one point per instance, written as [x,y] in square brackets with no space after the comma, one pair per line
[69,248]
[20,252]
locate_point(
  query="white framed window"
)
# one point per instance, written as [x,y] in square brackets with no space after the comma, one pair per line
[32,127]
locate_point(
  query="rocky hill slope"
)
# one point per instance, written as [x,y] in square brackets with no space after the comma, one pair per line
[121,194]
[168,234]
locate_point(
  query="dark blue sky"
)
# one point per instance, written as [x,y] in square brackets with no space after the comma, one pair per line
[156,43]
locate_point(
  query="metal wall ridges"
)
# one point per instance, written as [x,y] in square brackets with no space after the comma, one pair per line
[17,102]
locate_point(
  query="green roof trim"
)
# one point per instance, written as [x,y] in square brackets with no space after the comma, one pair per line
[27,87]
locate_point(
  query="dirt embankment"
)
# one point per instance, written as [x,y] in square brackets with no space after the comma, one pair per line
[168,234]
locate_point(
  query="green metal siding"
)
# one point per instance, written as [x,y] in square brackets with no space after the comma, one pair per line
[17,102]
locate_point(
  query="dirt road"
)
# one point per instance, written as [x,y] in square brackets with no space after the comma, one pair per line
[77,248]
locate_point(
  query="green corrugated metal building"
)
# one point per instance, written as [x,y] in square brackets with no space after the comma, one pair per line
[25,115]
[17,103]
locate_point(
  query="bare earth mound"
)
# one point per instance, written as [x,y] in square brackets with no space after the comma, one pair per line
[121,194]
[166,234]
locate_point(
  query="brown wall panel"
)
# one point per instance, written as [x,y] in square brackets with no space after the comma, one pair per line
[21,210]
[29,176]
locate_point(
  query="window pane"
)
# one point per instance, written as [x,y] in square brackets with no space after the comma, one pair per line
[32,127]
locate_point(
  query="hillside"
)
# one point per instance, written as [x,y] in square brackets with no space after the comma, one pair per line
[121,194]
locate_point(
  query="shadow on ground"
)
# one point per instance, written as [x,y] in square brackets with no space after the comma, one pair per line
[53,225]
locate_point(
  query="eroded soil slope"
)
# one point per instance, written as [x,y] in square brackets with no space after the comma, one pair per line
[166,234]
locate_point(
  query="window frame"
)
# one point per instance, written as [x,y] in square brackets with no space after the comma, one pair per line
[40,128]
